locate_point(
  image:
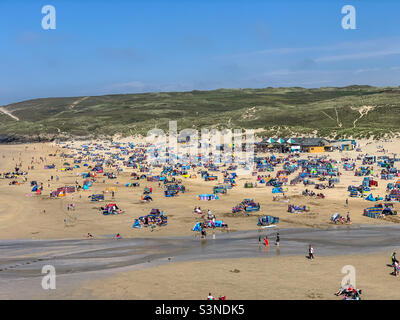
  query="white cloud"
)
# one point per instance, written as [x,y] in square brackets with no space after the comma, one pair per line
[342,51]
[359,55]
[367,70]
[128,85]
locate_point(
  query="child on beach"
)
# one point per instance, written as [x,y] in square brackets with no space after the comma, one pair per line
[396,268]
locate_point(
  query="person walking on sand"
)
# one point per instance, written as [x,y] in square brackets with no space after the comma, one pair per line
[393,257]
[348,220]
[266,241]
[310,252]
[277,239]
[396,268]
[203,233]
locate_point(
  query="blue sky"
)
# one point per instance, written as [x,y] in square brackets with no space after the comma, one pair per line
[103,47]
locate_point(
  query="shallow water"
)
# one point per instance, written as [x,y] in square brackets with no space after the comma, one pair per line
[21,261]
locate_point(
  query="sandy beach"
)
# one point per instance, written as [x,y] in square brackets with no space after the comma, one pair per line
[199,151]
[39,217]
[292,278]
[23,217]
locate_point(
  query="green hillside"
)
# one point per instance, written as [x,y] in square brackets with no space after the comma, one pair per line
[360,111]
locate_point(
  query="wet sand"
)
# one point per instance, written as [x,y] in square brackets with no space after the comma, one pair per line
[77,261]
[290,277]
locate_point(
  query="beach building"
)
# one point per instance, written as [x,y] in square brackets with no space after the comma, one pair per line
[344,144]
[311,145]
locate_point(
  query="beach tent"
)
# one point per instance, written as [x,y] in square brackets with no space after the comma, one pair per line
[197,227]
[170,193]
[277,190]
[335,216]
[353,193]
[388,211]
[155,211]
[155,219]
[220,189]
[373,212]
[137,224]
[370,198]
[219,223]
[207,197]
[96,197]
[267,220]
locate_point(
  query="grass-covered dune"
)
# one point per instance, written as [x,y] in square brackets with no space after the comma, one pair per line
[358,111]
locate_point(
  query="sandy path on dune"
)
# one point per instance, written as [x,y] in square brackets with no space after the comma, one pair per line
[8,113]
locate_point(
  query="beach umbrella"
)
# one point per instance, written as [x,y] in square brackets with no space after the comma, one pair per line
[280,140]
[270,140]
[290,140]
